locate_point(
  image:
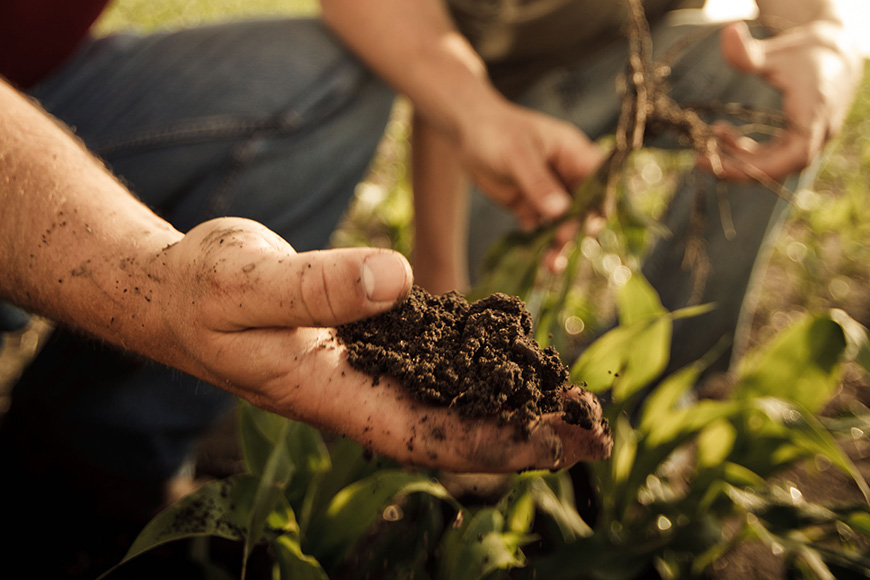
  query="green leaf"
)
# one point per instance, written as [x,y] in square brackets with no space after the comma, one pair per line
[638,300]
[293,564]
[801,364]
[276,474]
[667,395]
[630,356]
[311,459]
[646,360]
[260,432]
[636,351]
[624,450]
[518,506]
[219,508]
[687,422]
[857,341]
[481,547]
[354,510]
[349,463]
[715,443]
[559,504]
[859,521]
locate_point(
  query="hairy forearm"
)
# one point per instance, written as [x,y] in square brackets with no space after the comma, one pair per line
[415,47]
[74,244]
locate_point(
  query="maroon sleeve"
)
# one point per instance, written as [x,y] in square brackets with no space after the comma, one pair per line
[37,35]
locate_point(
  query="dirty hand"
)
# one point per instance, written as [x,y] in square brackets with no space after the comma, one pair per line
[526,161]
[817,70]
[254,317]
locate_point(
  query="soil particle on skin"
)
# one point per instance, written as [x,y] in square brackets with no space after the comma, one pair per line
[477,358]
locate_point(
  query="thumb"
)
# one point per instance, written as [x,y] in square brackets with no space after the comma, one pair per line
[255,279]
[743,52]
[259,287]
[333,287]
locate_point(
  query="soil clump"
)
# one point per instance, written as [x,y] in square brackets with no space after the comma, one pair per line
[478,358]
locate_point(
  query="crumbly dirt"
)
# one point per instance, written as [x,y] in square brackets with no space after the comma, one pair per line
[477,358]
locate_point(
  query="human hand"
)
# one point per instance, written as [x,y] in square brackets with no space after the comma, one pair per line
[526,161]
[817,70]
[251,315]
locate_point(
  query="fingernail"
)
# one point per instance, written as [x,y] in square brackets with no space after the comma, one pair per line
[385,276]
[556,204]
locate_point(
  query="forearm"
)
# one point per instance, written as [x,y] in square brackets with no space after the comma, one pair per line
[788,13]
[74,244]
[415,47]
[440,212]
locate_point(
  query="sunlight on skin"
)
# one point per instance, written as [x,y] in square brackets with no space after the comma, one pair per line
[856,13]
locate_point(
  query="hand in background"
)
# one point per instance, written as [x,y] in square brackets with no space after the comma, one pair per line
[818,72]
[527,161]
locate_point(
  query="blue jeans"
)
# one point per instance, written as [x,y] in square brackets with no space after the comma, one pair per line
[271,120]
[587,96]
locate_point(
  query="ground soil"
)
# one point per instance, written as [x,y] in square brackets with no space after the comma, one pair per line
[478,358]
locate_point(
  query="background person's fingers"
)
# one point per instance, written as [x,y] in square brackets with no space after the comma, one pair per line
[540,186]
[574,157]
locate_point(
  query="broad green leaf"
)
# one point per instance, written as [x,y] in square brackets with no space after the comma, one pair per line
[559,505]
[518,506]
[646,360]
[601,362]
[481,547]
[638,300]
[349,463]
[624,450]
[354,509]
[715,443]
[219,508]
[629,357]
[311,460]
[687,422]
[666,396]
[293,564]
[260,432]
[599,367]
[801,365]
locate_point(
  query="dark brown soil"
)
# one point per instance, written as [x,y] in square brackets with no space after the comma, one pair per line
[479,359]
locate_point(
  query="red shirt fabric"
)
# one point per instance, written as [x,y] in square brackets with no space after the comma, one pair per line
[36,36]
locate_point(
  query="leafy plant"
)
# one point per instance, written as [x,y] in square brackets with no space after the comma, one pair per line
[688,480]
